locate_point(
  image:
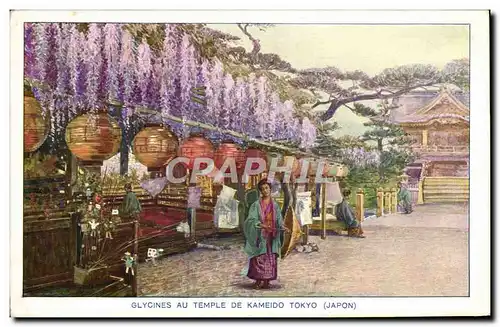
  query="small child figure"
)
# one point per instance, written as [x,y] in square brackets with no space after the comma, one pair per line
[109,226]
[93,227]
[129,266]
[129,263]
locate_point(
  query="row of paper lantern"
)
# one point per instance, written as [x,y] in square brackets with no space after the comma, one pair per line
[154,146]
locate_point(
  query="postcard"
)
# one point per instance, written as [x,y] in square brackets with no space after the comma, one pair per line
[355,146]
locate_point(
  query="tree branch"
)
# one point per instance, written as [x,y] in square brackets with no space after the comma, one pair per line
[337,103]
[255,42]
[321,102]
[245,31]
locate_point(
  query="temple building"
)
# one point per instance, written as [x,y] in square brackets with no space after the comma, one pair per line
[438,124]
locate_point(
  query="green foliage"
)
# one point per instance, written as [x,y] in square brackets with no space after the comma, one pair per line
[111,182]
[407,76]
[367,178]
[457,72]
[38,165]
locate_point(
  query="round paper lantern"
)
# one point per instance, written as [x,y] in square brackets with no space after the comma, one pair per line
[313,168]
[229,149]
[36,127]
[326,170]
[196,146]
[274,155]
[155,146]
[333,170]
[93,139]
[295,166]
[256,153]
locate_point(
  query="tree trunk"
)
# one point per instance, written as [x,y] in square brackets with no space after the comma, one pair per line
[71,174]
[286,198]
[380,168]
[124,151]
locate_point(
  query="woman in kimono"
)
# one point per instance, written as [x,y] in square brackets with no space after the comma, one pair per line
[404,199]
[130,207]
[345,213]
[263,227]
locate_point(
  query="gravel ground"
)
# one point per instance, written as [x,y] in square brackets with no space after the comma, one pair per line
[422,254]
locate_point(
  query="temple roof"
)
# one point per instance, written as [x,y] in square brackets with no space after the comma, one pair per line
[423,106]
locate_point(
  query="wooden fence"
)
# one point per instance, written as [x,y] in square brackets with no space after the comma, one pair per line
[49,238]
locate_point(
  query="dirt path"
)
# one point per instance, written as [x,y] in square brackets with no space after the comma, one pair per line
[422,254]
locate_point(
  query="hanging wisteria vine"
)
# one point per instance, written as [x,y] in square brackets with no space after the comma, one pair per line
[87,71]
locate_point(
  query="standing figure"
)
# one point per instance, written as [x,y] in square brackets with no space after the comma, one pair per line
[129,267]
[262,228]
[404,199]
[345,213]
[130,207]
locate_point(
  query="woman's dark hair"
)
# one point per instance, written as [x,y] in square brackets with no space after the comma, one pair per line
[346,192]
[262,183]
[128,186]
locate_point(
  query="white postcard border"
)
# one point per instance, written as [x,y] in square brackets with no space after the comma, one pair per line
[477,304]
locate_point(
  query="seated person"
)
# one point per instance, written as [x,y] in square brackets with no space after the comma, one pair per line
[404,199]
[345,213]
[130,207]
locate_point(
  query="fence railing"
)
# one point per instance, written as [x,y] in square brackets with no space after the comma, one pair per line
[387,202]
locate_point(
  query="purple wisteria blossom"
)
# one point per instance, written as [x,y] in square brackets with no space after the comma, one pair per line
[86,70]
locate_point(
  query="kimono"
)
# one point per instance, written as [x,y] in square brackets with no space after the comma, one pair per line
[404,200]
[344,212]
[263,248]
[130,205]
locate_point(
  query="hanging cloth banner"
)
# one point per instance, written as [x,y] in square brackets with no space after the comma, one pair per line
[226,215]
[316,205]
[333,194]
[154,186]
[194,195]
[226,194]
[303,208]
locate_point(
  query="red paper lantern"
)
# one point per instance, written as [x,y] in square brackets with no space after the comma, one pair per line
[155,146]
[93,141]
[274,155]
[36,127]
[228,149]
[256,153]
[196,146]
[326,170]
[313,168]
[295,166]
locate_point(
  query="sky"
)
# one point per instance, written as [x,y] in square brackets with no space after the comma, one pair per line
[369,48]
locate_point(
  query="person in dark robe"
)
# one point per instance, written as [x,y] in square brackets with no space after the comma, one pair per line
[130,207]
[263,228]
[404,199]
[345,213]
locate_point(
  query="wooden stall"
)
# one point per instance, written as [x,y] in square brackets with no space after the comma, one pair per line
[49,234]
[162,214]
